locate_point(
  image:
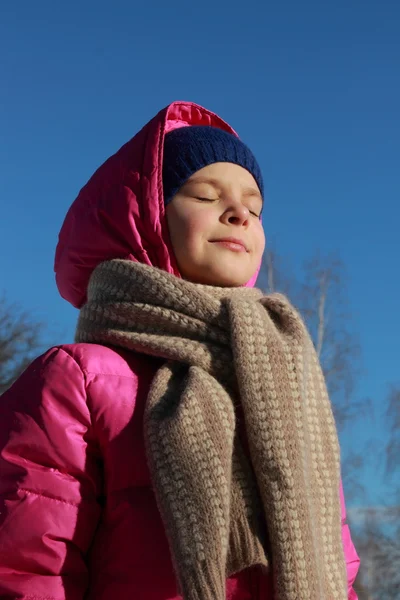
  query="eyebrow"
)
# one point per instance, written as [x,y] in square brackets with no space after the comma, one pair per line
[247,191]
[250,191]
[209,180]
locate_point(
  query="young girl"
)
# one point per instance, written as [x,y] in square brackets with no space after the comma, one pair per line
[185,445]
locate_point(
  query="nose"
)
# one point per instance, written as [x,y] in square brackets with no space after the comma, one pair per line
[236,214]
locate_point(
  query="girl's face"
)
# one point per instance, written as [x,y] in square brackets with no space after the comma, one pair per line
[214,225]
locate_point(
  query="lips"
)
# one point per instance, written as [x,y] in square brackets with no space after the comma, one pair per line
[232,244]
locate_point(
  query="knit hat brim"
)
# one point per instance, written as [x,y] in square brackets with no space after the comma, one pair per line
[189,149]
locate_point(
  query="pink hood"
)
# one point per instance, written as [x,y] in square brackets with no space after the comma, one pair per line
[120,212]
[78,514]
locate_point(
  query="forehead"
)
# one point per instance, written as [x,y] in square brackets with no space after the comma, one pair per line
[225,174]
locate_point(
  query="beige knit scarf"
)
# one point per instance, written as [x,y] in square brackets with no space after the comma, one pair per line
[235,360]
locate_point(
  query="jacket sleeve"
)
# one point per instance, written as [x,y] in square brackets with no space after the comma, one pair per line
[49,482]
[351,556]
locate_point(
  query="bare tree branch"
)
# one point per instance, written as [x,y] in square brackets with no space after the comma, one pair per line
[393,420]
[379,545]
[270,268]
[20,341]
[320,295]
[323,290]
[276,275]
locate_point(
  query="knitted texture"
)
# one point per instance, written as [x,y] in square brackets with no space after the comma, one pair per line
[224,346]
[189,149]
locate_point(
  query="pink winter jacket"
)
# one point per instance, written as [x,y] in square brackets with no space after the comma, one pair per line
[78,516]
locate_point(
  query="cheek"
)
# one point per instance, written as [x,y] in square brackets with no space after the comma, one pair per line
[259,244]
[197,227]
[187,229]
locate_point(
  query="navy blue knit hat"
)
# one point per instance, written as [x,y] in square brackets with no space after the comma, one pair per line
[188,149]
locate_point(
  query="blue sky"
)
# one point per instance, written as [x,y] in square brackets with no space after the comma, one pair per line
[312,87]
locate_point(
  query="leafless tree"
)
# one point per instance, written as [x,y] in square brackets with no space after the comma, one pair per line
[362,591]
[320,295]
[20,341]
[393,422]
[275,275]
[378,543]
[319,292]
[378,540]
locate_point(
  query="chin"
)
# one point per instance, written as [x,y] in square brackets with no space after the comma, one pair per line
[207,274]
[220,279]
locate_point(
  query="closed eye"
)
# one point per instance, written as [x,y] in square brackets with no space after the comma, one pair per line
[202,199]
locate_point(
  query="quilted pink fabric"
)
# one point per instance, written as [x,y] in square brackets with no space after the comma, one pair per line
[78,516]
